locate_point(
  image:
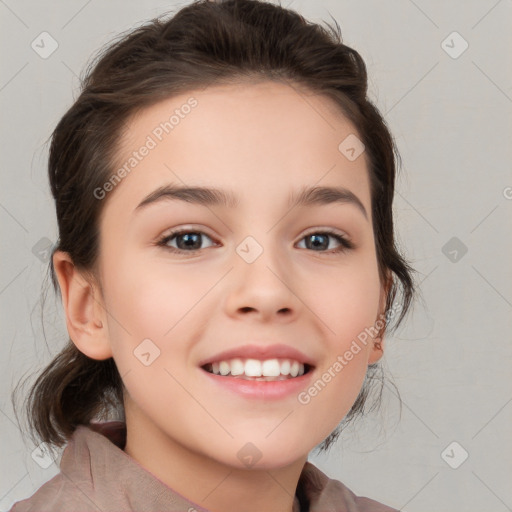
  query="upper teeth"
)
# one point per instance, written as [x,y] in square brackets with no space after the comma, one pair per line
[257,368]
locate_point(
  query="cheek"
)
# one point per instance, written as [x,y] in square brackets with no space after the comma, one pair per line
[149,300]
[346,301]
[347,309]
[150,313]
[162,304]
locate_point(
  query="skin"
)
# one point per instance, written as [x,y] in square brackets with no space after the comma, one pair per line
[261,141]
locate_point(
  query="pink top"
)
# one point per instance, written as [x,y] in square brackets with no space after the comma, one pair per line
[97,475]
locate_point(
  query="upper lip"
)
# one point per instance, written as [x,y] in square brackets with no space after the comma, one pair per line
[261,352]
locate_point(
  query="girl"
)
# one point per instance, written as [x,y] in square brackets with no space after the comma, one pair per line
[227,267]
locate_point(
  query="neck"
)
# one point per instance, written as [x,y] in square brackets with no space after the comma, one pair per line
[207,482]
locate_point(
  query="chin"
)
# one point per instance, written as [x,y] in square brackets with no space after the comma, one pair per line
[265,454]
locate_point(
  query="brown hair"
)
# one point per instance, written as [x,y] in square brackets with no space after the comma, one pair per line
[204,43]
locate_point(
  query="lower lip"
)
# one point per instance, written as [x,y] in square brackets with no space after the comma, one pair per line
[267,390]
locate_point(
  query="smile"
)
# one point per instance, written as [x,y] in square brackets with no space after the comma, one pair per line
[254,369]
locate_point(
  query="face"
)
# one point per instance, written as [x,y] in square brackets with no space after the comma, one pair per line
[253,275]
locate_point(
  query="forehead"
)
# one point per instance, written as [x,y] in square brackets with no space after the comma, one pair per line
[258,139]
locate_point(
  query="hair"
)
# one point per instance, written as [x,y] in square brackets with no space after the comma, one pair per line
[205,43]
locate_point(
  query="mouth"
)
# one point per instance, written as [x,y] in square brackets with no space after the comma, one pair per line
[265,370]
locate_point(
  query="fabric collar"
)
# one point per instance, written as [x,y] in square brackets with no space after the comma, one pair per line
[95,463]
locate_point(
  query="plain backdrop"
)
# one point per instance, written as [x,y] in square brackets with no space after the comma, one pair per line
[440,73]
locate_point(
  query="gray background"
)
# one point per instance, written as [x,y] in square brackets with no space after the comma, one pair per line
[451,117]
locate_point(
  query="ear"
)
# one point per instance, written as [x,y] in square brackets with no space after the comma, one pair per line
[377,350]
[86,317]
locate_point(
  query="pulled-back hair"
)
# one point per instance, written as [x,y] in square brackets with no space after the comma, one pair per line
[205,43]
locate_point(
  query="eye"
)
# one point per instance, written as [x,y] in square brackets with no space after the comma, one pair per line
[190,241]
[185,240]
[319,241]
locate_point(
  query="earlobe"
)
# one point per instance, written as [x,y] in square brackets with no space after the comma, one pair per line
[85,314]
[377,350]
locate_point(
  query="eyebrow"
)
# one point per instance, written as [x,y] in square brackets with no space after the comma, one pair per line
[207,196]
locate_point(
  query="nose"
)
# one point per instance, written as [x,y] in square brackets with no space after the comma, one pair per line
[262,290]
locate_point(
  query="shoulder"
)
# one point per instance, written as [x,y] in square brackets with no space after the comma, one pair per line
[75,486]
[320,493]
[56,494]
[96,474]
